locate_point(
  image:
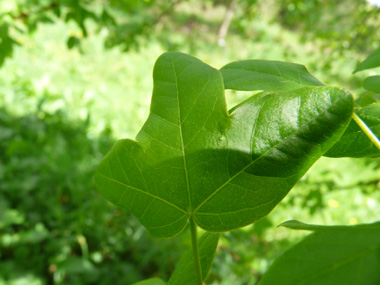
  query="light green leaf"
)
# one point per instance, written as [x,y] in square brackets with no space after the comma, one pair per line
[193,159]
[266,75]
[330,255]
[185,274]
[372,61]
[372,83]
[151,281]
[354,142]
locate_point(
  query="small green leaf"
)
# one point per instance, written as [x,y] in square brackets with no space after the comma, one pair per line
[184,274]
[330,255]
[250,75]
[372,83]
[72,42]
[225,170]
[354,142]
[372,61]
[151,281]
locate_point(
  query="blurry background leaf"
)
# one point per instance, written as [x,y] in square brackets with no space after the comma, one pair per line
[151,281]
[72,42]
[372,83]
[372,61]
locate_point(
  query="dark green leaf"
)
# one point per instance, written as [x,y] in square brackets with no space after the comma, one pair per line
[193,159]
[7,43]
[372,83]
[372,61]
[72,42]
[184,274]
[330,255]
[151,281]
[354,142]
[266,75]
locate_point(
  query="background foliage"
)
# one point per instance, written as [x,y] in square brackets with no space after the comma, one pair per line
[76,75]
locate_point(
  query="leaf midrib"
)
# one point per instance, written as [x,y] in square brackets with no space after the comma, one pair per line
[181,137]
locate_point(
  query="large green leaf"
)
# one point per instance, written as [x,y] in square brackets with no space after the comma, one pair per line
[354,142]
[372,61]
[330,255]
[193,159]
[372,83]
[266,75]
[184,274]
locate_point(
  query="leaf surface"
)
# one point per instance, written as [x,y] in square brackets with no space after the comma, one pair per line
[372,61]
[354,142]
[372,83]
[330,255]
[226,170]
[184,274]
[266,75]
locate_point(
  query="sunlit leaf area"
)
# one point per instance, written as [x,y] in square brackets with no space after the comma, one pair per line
[76,76]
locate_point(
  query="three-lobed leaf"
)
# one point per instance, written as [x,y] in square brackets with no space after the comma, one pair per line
[354,142]
[226,170]
[330,255]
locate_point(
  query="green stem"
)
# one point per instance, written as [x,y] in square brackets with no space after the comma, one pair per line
[194,241]
[366,130]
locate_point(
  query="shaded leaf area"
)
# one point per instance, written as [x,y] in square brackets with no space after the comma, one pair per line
[330,255]
[184,273]
[372,83]
[192,158]
[372,61]
[50,213]
[354,142]
[266,75]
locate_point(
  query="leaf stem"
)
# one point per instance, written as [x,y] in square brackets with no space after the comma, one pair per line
[194,241]
[366,130]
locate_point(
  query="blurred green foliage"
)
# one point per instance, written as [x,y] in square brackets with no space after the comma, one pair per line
[54,228]
[68,88]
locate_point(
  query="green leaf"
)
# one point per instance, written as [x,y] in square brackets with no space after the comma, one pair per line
[151,281]
[7,43]
[266,75]
[372,61]
[372,83]
[72,42]
[193,159]
[185,274]
[330,255]
[354,142]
